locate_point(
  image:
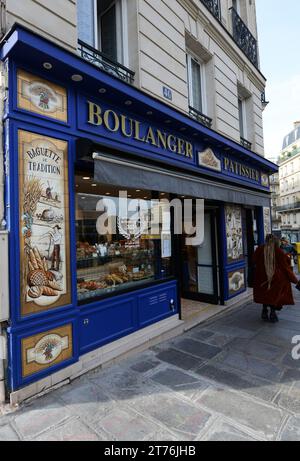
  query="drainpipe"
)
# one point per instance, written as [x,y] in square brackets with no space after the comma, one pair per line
[2,368]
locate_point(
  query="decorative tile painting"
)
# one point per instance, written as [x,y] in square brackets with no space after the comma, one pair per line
[236,281]
[46,349]
[42,97]
[234,233]
[44,223]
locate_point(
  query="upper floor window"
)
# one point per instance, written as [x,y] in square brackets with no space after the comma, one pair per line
[103,25]
[237,6]
[242,118]
[196,83]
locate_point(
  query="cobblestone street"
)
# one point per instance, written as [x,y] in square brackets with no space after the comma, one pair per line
[232,378]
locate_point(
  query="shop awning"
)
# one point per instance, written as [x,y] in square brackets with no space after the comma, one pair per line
[128,174]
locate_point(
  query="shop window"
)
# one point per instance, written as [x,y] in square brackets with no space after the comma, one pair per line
[130,254]
[196,83]
[103,25]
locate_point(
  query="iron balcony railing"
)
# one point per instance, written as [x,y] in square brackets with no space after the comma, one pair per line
[201,118]
[290,206]
[105,63]
[214,7]
[243,38]
[246,144]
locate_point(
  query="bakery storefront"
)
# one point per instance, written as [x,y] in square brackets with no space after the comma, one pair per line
[118,207]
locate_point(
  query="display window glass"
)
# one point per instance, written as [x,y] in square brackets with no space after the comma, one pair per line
[118,247]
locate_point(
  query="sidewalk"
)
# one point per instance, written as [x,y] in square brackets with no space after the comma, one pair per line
[232,378]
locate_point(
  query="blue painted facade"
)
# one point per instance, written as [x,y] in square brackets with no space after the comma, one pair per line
[102,322]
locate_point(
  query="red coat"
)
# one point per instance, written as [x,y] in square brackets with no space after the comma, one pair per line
[280,293]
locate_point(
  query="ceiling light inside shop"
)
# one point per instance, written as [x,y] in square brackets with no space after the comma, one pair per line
[102,90]
[86,178]
[128,103]
[77,78]
[94,185]
[149,112]
[47,65]
[168,121]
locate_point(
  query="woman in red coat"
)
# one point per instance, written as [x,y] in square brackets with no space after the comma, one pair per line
[273,278]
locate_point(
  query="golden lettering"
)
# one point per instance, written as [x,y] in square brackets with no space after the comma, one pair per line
[150,137]
[107,117]
[94,114]
[189,150]
[171,143]
[123,126]
[137,131]
[162,139]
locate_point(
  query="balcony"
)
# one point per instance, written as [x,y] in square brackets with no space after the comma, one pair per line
[104,63]
[246,144]
[201,118]
[214,7]
[289,207]
[243,38]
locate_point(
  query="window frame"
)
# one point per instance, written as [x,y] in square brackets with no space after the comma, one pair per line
[243,117]
[121,23]
[190,56]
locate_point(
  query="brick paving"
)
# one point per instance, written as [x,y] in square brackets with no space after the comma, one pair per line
[232,378]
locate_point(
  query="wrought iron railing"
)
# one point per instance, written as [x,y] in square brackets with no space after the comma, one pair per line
[244,38]
[290,206]
[103,62]
[201,118]
[246,144]
[214,7]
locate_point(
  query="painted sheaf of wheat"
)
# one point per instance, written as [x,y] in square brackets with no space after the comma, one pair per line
[32,193]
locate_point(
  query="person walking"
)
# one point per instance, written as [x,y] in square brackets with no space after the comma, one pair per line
[272,279]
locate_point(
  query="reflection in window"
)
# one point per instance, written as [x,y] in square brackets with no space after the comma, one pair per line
[129,255]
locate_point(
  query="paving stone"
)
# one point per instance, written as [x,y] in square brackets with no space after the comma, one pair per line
[175,414]
[262,419]
[257,349]
[197,348]
[86,400]
[122,383]
[291,431]
[228,330]
[200,334]
[179,359]
[126,425]
[219,340]
[250,385]
[41,415]
[71,431]
[251,365]
[144,366]
[173,378]
[7,434]
[290,400]
[290,377]
[289,361]
[224,432]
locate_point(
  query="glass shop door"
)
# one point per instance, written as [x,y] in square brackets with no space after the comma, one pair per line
[200,266]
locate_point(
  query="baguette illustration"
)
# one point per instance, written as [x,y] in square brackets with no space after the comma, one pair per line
[33,260]
[55,286]
[47,291]
[45,265]
[38,258]
[30,266]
